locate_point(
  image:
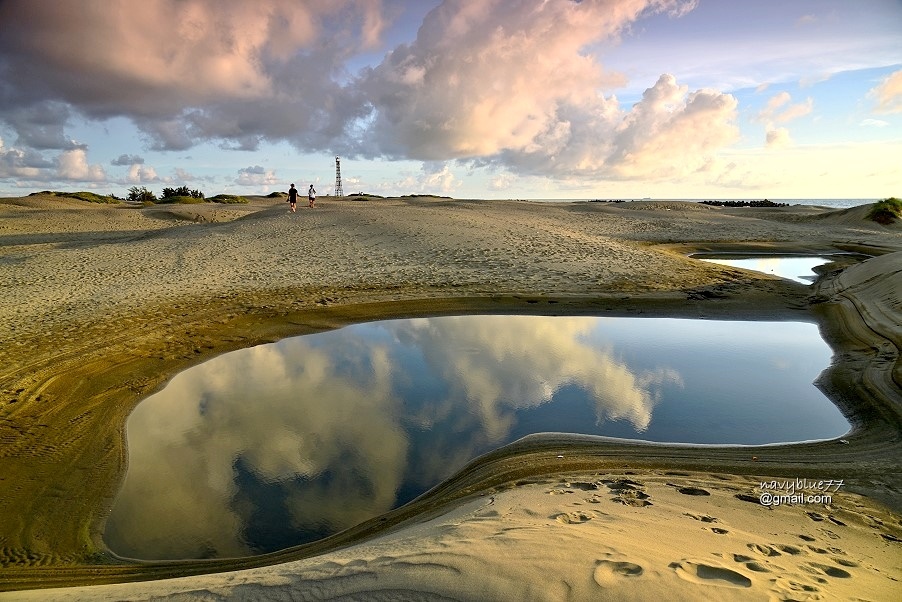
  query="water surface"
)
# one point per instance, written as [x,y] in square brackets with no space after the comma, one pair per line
[281,444]
[792,267]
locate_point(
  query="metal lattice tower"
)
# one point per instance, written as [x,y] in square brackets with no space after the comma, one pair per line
[338,190]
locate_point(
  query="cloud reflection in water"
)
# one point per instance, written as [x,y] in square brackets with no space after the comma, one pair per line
[284,443]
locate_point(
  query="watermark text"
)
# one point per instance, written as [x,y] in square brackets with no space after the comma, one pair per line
[798,491]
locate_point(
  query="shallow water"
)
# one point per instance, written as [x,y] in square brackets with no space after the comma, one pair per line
[281,444]
[797,268]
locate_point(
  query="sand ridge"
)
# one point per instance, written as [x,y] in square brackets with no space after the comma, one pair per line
[694,535]
[102,304]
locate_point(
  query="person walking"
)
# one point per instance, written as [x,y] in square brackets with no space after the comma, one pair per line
[311,196]
[292,199]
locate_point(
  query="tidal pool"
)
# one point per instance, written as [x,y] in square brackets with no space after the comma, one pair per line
[793,267]
[286,443]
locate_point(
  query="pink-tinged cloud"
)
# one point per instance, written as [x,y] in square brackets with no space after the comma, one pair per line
[778,138]
[889,94]
[509,83]
[778,109]
[184,71]
[501,82]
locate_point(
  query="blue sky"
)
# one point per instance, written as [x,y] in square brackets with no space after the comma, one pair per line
[466,98]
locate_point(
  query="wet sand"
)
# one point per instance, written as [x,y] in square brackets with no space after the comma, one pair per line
[103,304]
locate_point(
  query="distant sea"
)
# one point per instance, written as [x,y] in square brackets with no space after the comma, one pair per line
[831,203]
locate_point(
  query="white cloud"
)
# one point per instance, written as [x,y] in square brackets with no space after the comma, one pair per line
[256,176]
[140,174]
[779,109]
[127,160]
[73,165]
[888,94]
[778,138]
[16,163]
[878,123]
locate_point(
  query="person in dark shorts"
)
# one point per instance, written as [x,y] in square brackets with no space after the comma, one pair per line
[311,196]
[293,198]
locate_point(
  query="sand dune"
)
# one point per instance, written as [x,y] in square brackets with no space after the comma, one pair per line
[103,304]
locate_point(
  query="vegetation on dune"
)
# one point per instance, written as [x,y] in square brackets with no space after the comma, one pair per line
[276,195]
[180,195]
[181,191]
[886,211]
[366,195]
[141,195]
[90,197]
[181,200]
[228,198]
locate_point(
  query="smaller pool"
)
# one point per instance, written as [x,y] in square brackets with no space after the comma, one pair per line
[792,267]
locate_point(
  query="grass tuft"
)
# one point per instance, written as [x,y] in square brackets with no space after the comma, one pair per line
[228,199]
[179,200]
[89,197]
[886,211]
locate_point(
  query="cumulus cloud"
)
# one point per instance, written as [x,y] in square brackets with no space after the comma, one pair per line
[73,165]
[780,110]
[778,138]
[507,83]
[185,71]
[140,174]
[18,163]
[256,176]
[127,160]
[888,94]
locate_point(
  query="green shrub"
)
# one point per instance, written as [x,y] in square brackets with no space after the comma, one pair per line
[142,195]
[182,191]
[886,211]
[276,195]
[181,200]
[228,199]
[90,197]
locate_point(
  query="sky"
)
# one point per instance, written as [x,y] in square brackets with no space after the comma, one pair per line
[463,98]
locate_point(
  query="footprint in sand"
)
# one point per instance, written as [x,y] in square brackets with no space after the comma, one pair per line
[637,499]
[763,549]
[706,574]
[750,563]
[702,517]
[628,492]
[831,571]
[607,572]
[748,498]
[573,518]
[792,550]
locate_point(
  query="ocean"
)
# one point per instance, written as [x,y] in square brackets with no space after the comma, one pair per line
[831,203]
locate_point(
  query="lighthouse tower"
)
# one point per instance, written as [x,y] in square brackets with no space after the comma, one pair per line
[338,190]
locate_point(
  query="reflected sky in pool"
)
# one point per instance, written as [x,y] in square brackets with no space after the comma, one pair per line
[799,269]
[281,444]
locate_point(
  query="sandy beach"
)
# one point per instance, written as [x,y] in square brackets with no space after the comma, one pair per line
[103,304]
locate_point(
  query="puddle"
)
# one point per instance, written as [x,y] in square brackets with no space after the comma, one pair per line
[286,443]
[800,268]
